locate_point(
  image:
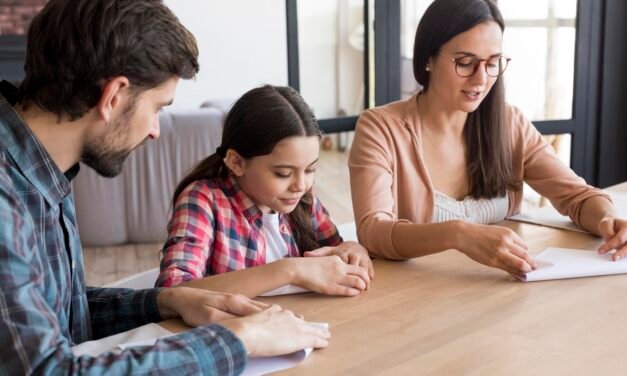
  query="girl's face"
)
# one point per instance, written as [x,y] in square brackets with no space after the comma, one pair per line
[483,41]
[277,181]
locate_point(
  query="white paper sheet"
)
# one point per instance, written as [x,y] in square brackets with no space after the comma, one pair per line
[548,216]
[256,366]
[562,263]
[97,347]
[285,290]
[262,366]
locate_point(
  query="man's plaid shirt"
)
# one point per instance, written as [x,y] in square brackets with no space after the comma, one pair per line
[45,306]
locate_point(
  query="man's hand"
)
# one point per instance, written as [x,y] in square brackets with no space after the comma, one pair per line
[200,307]
[275,331]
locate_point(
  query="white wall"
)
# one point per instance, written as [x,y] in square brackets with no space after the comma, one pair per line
[331,69]
[242,44]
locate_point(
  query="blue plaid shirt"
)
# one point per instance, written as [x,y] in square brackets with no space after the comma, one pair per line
[45,306]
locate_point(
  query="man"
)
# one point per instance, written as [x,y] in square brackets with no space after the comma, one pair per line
[97,74]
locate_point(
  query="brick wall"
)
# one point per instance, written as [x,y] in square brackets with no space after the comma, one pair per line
[15,15]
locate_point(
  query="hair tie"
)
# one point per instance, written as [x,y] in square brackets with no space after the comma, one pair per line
[221,151]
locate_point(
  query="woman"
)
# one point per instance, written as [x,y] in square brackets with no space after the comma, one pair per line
[428,173]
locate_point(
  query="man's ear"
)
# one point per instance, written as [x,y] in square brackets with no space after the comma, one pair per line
[235,162]
[112,96]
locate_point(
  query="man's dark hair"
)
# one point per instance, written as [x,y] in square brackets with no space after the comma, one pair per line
[74,46]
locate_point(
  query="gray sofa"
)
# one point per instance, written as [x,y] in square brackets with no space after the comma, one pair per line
[134,207]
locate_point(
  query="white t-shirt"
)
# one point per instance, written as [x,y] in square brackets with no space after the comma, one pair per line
[276,248]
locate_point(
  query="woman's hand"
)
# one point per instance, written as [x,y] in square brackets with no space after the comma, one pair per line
[275,331]
[328,275]
[614,232]
[495,246]
[350,252]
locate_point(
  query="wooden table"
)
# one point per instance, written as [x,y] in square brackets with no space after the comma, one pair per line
[445,314]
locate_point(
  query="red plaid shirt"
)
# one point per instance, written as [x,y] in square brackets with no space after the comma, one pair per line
[216,228]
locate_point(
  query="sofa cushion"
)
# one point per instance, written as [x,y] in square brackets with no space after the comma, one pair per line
[134,206]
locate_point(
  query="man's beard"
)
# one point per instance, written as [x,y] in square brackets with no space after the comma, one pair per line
[103,155]
[107,163]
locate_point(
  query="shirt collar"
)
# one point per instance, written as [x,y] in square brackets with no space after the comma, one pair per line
[29,155]
[241,199]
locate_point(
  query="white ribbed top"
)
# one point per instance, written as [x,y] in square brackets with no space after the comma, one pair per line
[276,248]
[482,211]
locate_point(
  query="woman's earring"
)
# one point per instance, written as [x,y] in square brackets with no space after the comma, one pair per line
[428,69]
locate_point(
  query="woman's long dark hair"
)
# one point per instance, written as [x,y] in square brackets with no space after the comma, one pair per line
[486,133]
[258,121]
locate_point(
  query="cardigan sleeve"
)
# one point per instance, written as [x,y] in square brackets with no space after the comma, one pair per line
[547,174]
[371,178]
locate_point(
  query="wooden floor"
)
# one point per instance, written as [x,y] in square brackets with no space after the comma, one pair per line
[107,264]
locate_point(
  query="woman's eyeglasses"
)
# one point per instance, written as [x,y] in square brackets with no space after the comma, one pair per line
[466,66]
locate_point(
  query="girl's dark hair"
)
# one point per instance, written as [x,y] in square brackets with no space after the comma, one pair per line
[487,137]
[258,121]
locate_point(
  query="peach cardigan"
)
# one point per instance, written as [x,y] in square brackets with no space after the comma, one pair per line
[390,183]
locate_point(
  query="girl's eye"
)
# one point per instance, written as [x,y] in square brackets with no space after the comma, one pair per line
[310,171]
[281,175]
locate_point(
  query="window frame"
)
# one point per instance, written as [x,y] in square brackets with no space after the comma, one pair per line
[582,126]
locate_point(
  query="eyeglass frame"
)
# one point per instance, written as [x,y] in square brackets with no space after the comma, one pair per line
[478,62]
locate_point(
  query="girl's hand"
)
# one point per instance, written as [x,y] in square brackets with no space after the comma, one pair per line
[495,246]
[350,252]
[329,275]
[614,232]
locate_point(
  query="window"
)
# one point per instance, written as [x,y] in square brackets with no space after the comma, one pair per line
[331,56]
[540,39]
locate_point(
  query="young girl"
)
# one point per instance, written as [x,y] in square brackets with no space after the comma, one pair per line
[248,209]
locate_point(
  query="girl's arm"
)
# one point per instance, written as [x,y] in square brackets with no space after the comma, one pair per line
[325,275]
